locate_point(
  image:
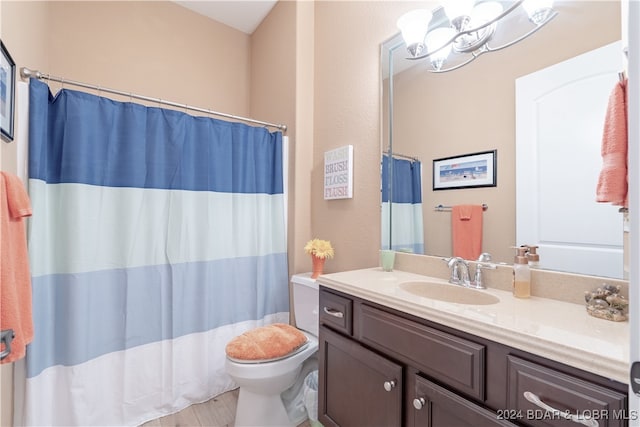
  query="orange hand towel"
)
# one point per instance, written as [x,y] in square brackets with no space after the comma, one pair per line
[612,182]
[466,227]
[15,279]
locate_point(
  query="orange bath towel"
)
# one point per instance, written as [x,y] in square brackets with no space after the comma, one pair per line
[612,182]
[15,279]
[466,228]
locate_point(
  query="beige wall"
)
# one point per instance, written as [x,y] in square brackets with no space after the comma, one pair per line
[301,176]
[281,92]
[473,109]
[158,49]
[23,29]
[347,111]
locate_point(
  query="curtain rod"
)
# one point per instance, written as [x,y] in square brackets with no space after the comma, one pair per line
[26,73]
[394,154]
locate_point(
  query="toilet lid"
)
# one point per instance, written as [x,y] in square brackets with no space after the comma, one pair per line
[274,359]
[266,343]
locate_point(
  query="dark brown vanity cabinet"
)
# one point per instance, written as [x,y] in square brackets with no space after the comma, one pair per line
[381,367]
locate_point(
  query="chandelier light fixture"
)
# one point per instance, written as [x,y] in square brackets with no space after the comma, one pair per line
[461,30]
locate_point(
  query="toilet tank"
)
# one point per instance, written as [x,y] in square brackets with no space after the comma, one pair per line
[305,302]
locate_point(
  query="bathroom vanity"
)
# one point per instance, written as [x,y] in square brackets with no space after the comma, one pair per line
[390,356]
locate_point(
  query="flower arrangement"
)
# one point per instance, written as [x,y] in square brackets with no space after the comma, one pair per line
[319,248]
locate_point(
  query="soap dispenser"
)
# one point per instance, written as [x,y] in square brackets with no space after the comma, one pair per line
[533,256]
[521,274]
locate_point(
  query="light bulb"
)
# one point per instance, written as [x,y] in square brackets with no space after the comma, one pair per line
[436,39]
[538,10]
[485,12]
[457,8]
[414,26]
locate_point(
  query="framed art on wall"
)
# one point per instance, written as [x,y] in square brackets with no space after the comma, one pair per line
[338,173]
[466,171]
[7,93]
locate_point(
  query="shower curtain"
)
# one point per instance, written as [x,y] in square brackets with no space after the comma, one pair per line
[156,238]
[403,212]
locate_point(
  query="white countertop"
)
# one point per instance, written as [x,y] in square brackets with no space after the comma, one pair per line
[553,329]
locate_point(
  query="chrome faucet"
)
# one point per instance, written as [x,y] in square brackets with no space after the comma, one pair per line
[459,271]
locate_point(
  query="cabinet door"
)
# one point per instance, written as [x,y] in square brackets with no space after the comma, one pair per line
[434,406]
[357,386]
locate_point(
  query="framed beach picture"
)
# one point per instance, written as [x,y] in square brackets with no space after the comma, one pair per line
[466,171]
[7,93]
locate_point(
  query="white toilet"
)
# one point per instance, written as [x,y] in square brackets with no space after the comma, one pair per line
[262,382]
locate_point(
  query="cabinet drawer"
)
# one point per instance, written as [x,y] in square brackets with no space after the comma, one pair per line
[569,395]
[452,360]
[336,312]
[433,405]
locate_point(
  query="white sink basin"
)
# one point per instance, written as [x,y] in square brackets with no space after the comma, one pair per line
[449,293]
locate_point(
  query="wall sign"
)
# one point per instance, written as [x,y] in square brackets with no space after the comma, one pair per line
[338,173]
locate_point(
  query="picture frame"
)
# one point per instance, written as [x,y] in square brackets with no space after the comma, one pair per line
[466,171]
[7,93]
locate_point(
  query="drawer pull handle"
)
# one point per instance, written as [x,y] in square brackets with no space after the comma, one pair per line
[418,403]
[389,385]
[333,312]
[590,422]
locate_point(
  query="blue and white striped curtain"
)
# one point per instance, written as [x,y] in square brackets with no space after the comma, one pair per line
[404,214]
[156,238]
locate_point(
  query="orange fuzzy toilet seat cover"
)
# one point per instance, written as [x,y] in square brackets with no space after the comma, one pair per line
[267,342]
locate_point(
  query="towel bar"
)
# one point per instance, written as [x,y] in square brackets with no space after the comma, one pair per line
[6,337]
[442,208]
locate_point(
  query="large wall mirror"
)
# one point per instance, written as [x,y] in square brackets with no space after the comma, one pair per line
[431,116]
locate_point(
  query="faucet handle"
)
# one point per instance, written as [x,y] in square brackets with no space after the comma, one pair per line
[486,266]
[482,263]
[484,257]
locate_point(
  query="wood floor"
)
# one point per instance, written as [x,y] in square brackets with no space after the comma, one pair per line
[217,412]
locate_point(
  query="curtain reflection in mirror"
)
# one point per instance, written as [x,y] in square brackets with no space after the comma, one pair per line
[405,212]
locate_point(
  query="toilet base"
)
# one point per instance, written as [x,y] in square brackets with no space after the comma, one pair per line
[253,409]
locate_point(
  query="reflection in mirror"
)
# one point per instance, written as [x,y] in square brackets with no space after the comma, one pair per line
[402,203]
[559,123]
[432,116]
